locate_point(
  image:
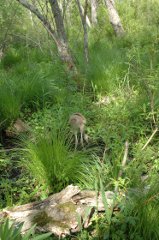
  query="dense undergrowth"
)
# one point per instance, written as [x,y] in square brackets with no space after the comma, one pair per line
[120,99]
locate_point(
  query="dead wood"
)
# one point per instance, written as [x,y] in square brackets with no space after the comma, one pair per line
[150,138]
[59,213]
[17,128]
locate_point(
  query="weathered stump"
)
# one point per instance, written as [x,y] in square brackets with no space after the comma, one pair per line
[61,212]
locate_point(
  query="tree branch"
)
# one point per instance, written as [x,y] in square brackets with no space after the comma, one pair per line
[43,20]
[59,38]
[150,138]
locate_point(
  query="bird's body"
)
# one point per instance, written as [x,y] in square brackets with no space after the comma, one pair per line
[77,122]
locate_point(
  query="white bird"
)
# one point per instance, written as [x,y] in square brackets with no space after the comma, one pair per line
[77,122]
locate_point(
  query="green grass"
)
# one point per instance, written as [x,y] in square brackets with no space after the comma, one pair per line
[51,162]
[11,232]
[142,214]
[28,85]
[35,85]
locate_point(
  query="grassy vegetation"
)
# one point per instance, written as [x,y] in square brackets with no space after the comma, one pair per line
[51,161]
[34,86]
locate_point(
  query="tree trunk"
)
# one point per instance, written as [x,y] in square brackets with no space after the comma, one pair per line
[83,19]
[58,20]
[62,213]
[94,12]
[59,38]
[114,18]
[87,18]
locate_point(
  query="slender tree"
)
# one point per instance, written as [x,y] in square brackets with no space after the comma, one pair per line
[94,12]
[83,20]
[87,18]
[114,17]
[59,36]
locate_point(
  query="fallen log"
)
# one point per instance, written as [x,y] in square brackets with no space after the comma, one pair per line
[60,213]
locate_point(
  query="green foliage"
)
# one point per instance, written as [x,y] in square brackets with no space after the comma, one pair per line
[9,102]
[20,88]
[124,71]
[108,212]
[11,232]
[9,21]
[138,216]
[94,172]
[16,185]
[10,58]
[50,160]
[105,69]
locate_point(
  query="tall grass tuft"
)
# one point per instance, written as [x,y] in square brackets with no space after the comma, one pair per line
[31,89]
[10,102]
[51,162]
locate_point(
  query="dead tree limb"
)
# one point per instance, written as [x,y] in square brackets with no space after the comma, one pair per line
[60,212]
[150,138]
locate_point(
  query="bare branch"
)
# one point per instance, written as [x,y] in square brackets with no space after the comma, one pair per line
[59,38]
[150,138]
[43,20]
